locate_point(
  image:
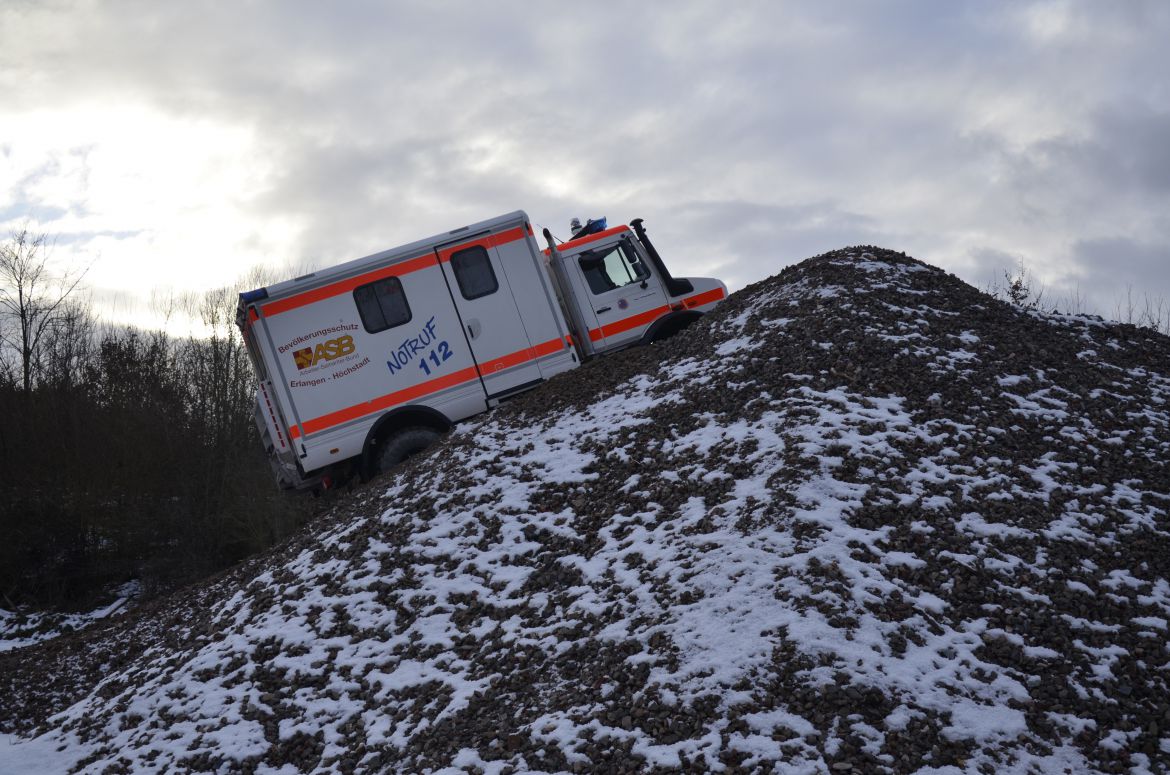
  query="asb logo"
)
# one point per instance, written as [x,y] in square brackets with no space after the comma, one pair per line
[326,351]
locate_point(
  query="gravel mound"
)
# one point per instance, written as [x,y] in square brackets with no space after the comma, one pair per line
[864,518]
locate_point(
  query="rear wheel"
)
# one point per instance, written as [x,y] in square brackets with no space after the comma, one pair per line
[404,443]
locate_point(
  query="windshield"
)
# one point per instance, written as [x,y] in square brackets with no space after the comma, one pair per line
[613,267]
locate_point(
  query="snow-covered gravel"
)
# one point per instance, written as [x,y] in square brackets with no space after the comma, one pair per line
[19,629]
[861,519]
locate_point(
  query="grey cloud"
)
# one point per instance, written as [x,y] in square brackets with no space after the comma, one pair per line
[749,240]
[1114,267]
[1129,148]
[1103,190]
[748,135]
[22,211]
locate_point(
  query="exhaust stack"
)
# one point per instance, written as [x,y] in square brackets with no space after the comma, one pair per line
[674,285]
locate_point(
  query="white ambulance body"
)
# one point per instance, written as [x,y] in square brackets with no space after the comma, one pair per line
[364,363]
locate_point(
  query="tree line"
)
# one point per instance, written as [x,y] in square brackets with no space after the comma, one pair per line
[124,453]
[1019,287]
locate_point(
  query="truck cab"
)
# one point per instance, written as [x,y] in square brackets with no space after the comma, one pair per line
[619,292]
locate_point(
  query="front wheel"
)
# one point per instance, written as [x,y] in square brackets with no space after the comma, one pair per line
[404,443]
[670,326]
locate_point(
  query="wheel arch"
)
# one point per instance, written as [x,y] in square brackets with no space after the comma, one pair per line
[402,417]
[670,324]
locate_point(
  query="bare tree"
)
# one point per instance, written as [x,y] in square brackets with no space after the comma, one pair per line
[1124,307]
[1074,302]
[32,298]
[68,345]
[1156,315]
[1148,312]
[1020,289]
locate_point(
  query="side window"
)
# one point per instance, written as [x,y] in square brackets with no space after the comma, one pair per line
[382,304]
[474,273]
[610,268]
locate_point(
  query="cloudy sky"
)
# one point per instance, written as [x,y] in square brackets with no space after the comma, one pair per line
[175,145]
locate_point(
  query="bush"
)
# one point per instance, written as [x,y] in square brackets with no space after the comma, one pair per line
[133,455]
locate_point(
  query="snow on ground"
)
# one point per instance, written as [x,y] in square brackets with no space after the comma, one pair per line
[44,754]
[865,519]
[19,629]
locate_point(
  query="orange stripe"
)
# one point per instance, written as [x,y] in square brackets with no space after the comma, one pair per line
[625,324]
[388,400]
[487,368]
[395,270]
[549,348]
[430,386]
[522,356]
[490,241]
[699,299]
[564,247]
[343,286]
[644,318]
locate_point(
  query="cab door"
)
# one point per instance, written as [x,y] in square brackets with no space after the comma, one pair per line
[621,291]
[488,312]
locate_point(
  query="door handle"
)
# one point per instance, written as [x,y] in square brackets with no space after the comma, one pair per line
[473,328]
[604,309]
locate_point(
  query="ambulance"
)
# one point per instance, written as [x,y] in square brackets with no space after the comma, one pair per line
[366,363]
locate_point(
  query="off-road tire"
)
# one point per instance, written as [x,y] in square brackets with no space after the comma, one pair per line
[670,330]
[402,444]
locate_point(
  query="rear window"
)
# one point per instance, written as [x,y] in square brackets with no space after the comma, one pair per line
[382,304]
[474,273]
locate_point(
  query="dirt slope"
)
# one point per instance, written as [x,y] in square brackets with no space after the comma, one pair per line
[863,518]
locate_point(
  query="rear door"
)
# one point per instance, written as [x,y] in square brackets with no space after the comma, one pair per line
[622,292]
[488,311]
[355,347]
